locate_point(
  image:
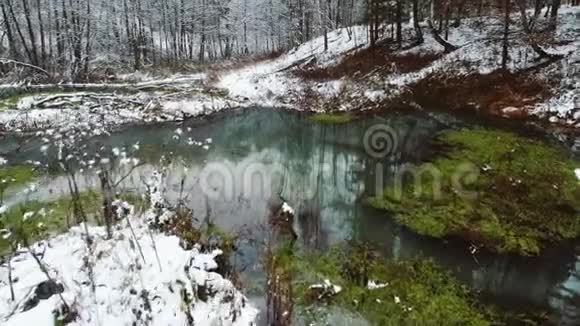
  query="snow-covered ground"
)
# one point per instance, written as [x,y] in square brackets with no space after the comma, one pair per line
[128,288]
[482,55]
[269,82]
[109,110]
[266,84]
[140,278]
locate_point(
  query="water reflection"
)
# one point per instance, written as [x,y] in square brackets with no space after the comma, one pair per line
[565,296]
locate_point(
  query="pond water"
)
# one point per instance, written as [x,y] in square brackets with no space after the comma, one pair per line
[247,160]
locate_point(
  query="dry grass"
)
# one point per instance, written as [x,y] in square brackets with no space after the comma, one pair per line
[367,61]
[490,92]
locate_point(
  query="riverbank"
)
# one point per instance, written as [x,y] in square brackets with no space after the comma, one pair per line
[141,273]
[351,76]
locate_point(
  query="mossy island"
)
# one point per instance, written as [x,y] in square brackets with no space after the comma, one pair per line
[492,188]
[356,282]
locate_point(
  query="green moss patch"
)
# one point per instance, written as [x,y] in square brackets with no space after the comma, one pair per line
[15,175]
[52,217]
[413,292]
[333,118]
[494,189]
[9,102]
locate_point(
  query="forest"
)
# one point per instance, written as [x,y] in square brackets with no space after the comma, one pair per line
[72,39]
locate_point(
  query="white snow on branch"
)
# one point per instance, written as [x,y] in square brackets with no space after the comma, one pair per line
[287,209]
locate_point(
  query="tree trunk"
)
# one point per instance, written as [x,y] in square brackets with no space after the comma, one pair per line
[31,34]
[399,19]
[538,5]
[41,30]
[58,35]
[554,14]
[202,41]
[11,41]
[529,32]
[416,25]
[88,40]
[506,30]
[460,6]
[447,15]
[19,30]
[448,46]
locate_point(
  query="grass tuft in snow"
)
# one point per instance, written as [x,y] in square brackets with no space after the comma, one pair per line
[49,218]
[180,224]
[10,102]
[525,196]
[210,237]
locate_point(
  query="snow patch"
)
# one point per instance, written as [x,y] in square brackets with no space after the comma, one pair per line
[373,285]
[287,209]
[127,284]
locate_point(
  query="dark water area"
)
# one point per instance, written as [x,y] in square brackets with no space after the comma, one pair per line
[232,167]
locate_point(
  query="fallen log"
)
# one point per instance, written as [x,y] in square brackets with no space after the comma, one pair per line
[6,90]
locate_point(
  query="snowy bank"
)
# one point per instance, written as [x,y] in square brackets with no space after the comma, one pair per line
[269,83]
[272,82]
[140,279]
[110,110]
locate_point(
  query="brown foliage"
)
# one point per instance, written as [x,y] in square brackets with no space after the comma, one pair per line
[366,61]
[491,93]
[181,224]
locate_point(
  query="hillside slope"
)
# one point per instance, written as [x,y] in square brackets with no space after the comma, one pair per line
[275,82]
